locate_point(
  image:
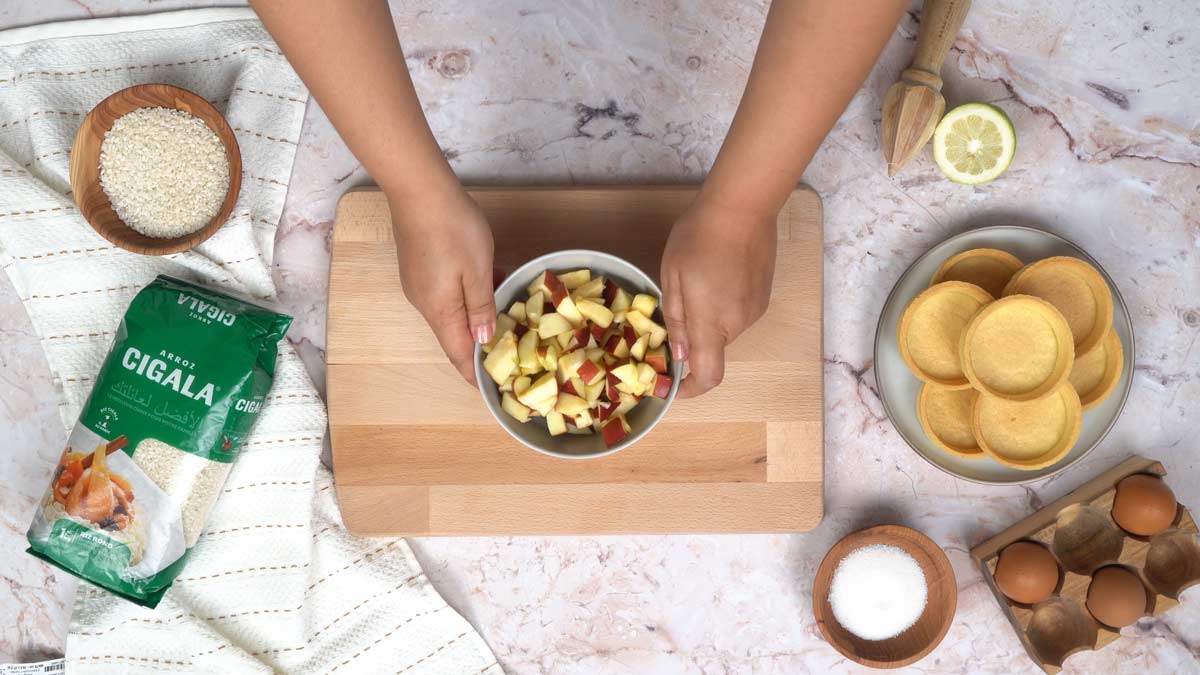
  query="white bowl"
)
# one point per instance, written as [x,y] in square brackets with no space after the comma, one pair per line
[533,433]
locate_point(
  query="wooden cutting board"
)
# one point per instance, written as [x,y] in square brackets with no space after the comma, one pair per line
[416,452]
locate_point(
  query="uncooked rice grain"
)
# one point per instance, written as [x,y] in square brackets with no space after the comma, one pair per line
[194,481]
[164,171]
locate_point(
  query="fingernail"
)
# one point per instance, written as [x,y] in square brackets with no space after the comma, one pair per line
[679,351]
[483,334]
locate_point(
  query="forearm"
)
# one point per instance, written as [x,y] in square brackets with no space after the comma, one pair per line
[350,58]
[812,58]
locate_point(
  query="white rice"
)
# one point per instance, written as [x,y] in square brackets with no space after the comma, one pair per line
[164,171]
[193,480]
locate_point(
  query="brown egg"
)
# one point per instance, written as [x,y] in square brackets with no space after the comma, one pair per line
[1144,505]
[1116,597]
[1026,572]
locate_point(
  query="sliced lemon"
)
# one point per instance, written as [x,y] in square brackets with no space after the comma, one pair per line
[974,143]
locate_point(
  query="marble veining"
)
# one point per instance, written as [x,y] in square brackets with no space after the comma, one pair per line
[1104,99]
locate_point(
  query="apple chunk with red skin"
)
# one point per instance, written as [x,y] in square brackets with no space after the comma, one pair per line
[613,431]
[610,387]
[590,373]
[662,386]
[657,358]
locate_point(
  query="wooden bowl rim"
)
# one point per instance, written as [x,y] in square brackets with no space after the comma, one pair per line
[901,537]
[233,156]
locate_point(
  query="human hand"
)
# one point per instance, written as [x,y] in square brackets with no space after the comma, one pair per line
[444,246]
[717,269]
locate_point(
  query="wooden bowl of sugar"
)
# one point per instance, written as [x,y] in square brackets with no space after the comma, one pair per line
[155,169]
[869,600]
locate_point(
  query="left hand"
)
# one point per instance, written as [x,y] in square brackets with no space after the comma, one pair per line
[716,273]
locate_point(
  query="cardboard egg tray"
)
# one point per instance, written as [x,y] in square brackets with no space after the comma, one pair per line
[1059,626]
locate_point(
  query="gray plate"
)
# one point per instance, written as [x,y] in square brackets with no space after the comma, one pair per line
[898,388]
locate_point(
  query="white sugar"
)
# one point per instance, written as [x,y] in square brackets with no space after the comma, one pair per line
[164,171]
[878,592]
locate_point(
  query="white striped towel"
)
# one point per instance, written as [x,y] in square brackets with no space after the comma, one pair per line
[276,584]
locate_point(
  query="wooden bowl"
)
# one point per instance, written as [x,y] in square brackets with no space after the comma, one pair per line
[913,644]
[85,166]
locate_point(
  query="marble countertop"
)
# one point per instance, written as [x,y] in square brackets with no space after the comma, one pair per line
[1104,99]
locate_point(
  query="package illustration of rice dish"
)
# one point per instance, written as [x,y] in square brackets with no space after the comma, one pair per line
[181,387]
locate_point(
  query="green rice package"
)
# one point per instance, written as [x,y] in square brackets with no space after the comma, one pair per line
[185,379]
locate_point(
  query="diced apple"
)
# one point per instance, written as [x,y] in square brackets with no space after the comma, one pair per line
[620,302]
[630,334]
[594,391]
[646,326]
[662,385]
[591,289]
[590,373]
[597,333]
[580,387]
[628,402]
[634,388]
[638,350]
[556,423]
[610,292]
[646,304]
[548,284]
[610,360]
[583,419]
[573,280]
[619,317]
[626,371]
[502,361]
[606,410]
[514,408]
[547,356]
[568,387]
[553,324]
[617,346]
[527,350]
[566,307]
[507,385]
[645,373]
[657,358]
[568,364]
[517,312]
[504,324]
[520,384]
[610,387]
[595,312]
[570,404]
[545,407]
[564,340]
[533,308]
[520,330]
[582,336]
[613,431]
[543,388]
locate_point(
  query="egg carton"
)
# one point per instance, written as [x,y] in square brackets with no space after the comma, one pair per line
[1061,625]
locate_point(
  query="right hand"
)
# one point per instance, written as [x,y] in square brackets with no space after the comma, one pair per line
[444,246]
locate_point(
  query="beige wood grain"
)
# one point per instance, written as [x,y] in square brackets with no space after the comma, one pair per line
[416,451]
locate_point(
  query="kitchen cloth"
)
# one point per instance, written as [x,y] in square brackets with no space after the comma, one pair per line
[276,584]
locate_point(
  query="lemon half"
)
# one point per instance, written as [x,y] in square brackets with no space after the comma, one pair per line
[974,143]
